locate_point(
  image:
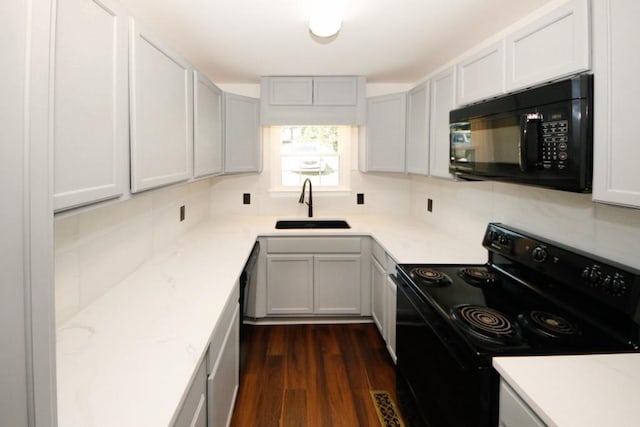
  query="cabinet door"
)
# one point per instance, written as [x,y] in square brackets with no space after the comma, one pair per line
[335,91]
[242,134]
[336,285]
[443,95]
[289,284]
[290,90]
[161,113]
[385,133]
[224,378]
[616,177]
[555,45]
[390,312]
[193,412]
[481,76]
[91,119]
[207,127]
[378,296]
[417,147]
[514,412]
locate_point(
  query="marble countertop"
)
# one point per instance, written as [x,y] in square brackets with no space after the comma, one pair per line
[577,391]
[128,358]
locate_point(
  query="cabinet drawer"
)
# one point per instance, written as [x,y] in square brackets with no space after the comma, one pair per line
[317,245]
[378,253]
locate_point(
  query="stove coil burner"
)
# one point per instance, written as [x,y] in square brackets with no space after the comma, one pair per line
[486,323]
[477,275]
[548,324]
[431,276]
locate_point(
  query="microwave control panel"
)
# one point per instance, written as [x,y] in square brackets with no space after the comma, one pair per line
[555,144]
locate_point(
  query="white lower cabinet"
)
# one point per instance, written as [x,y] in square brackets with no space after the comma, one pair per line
[307,276]
[336,284]
[193,412]
[289,284]
[514,412]
[223,381]
[212,393]
[378,295]
[390,317]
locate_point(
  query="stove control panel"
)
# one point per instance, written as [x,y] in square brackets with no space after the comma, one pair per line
[615,284]
[608,282]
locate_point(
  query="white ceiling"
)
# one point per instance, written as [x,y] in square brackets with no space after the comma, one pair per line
[389,41]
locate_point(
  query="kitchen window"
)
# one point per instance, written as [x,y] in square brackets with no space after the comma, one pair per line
[320,153]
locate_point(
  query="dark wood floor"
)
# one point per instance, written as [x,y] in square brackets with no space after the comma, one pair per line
[312,375]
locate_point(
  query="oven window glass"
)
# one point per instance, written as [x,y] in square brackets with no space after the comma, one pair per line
[492,140]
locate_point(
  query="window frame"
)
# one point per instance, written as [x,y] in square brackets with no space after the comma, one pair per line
[345,142]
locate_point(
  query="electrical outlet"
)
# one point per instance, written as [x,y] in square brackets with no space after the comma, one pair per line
[360,198]
[246,199]
[429,205]
[182,213]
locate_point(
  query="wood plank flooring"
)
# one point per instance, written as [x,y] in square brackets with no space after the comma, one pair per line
[312,375]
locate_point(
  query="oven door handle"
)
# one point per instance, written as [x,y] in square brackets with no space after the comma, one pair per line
[452,351]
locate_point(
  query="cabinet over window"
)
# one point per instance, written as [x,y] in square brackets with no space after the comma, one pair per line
[307,100]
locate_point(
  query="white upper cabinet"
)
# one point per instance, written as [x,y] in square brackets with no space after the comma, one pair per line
[443,100]
[417,146]
[207,127]
[335,91]
[482,75]
[291,91]
[242,151]
[385,133]
[90,125]
[553,46]
[161,97]
[309,100]
[616,176]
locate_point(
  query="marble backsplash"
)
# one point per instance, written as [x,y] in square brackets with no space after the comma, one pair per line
[96,248]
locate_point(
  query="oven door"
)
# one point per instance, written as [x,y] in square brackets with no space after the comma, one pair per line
[438,377]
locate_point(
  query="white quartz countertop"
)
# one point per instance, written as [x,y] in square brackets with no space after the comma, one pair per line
[577,391]
[127,359]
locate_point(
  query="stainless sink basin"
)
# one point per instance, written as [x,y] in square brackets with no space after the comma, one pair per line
[311,223]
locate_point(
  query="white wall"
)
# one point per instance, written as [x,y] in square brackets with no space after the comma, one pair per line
[95,249]
[464,209]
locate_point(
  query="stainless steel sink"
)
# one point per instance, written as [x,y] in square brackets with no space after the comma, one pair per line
[311,223]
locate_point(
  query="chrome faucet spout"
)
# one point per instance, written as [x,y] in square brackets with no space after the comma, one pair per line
[310,202]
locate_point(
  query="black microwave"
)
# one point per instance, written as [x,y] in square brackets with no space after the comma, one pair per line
[541,136]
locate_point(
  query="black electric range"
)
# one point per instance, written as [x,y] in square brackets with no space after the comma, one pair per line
[533,297]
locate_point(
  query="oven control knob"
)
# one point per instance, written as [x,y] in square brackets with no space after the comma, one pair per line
[594,275]
[539,254]
[606,285]
[503,239]
[618,286]
[585,273]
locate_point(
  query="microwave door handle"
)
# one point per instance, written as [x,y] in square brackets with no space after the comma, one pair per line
[529,140]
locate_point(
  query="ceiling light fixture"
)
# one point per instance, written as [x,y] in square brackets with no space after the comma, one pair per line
[326,17]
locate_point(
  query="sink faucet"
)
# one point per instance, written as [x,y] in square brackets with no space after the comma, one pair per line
[310,202]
